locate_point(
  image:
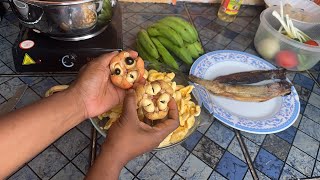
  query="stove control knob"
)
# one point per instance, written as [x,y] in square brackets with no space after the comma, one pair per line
[68,60]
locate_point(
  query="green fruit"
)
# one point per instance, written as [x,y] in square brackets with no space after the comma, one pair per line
[165,55]
[169,33]
[193,51]
[153,32]
[198,47]
[147,44]
[181,30]
[189,27]
[181,53]
[144,54]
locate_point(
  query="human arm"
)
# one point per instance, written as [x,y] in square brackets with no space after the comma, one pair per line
[27,131]
[129,137]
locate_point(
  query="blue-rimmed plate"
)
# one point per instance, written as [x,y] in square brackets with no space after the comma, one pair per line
[268,117]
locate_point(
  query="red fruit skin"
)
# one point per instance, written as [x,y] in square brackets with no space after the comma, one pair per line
[286,59]
[312,43]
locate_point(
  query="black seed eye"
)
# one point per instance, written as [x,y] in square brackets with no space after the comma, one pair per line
[129,61]
[117,71]
[162,102]
[131,76]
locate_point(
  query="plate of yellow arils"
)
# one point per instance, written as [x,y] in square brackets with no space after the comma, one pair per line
[162,86]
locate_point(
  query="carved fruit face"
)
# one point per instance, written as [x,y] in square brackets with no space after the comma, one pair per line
[153,99]
[125,70]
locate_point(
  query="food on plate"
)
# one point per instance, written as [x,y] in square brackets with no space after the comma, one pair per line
[153,98]
[125,70]
[160,85]
[286,59]
[249,77]
[169,36]
[245,92]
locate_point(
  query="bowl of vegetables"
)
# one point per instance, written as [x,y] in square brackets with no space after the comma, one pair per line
[289,44]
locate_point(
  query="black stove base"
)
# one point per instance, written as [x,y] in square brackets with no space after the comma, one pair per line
[33,52]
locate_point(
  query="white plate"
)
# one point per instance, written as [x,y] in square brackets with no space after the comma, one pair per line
[267,117]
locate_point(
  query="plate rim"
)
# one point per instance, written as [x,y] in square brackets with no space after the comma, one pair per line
[284,126]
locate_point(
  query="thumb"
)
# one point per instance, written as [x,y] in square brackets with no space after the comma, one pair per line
[130,104]
[106,58]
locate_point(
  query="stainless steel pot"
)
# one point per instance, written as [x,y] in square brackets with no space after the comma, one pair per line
[65,20]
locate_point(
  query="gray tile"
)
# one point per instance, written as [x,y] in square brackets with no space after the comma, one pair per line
[11,66]
[2,99]
[316,171]
[290,173]
[65,80]
[128,25]
[204,127]
[216,176]
[297,122]
[310,127]
[243,40]
[135,30]
[314,100]
[300,161]
[137,19]
[85,127]
[125,174]
[12,38]
[72,143]
[236,46]
[316,90]
[251,51]
[5,56]
[4,22]
[177,177]
[235,27]
[44,85]
[69,172]
[304,93]
[8,30]
[220,134]
[208,152]
[208,33]
[261,176]
[1,63]
[146,24]
[48,163]
[194,168]
[8,88]
[31,80]
[204,40]
[256,138]
[212,46]
[235,148]
[312,112]
[242,21]
[24,173]
[306,143]
[248,33]
[318,155]
[82,160]
[28,98]
[5,70]
[276,146]
[155,169]
[221,39]
[290,75]
[173,157]
[136,164]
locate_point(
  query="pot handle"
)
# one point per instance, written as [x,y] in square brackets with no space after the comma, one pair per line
[22,11]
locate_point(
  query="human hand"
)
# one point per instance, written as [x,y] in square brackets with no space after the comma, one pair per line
[94,89]
[129,137]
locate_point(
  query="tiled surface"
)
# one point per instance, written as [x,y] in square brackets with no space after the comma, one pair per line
[212,152]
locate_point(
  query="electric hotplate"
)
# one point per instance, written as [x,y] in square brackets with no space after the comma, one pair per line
[35,52]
